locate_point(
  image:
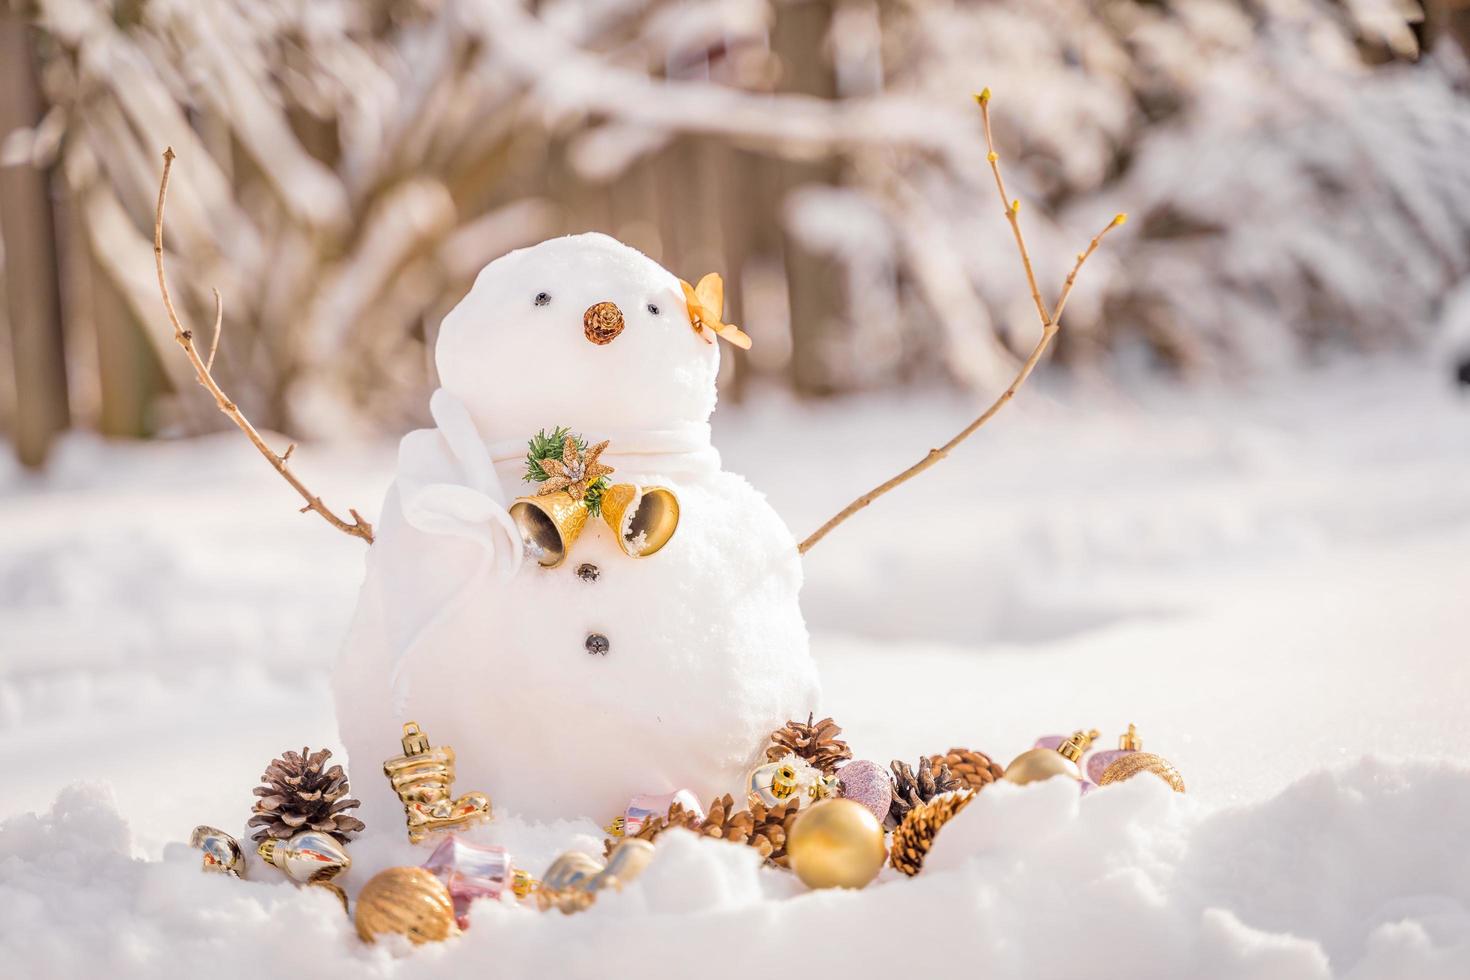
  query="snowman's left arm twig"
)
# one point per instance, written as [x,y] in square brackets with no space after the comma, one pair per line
[1050,324]
[357,527]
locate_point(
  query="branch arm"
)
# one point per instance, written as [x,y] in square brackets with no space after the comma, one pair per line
[357,527]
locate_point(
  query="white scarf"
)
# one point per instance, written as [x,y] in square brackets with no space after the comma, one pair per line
[471,504]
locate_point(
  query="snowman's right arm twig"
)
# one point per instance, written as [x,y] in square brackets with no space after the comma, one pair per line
[357,527]
[1050,324]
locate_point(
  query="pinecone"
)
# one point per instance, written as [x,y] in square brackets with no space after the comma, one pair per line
[915,835]
[653,826]
[911,789]
[973,769]
[726,823]
[761,828]
[816,743]
[297,794]
[770,828]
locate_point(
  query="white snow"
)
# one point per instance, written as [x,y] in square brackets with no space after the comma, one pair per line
[1270,581]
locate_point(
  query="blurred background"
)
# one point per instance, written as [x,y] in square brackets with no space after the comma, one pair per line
[1296,173]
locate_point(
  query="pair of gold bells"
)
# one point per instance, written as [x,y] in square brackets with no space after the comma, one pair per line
[642,520]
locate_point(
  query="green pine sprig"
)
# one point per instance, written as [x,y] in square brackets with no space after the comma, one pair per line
[593,497]
[543,446]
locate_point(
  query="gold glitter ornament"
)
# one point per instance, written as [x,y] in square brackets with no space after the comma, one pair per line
[423,778]
[575,472]
[1130,765]
[408,902]
[642,519]
[1036,765]
[836,844]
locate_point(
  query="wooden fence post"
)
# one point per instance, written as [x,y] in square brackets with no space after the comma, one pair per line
[32,282]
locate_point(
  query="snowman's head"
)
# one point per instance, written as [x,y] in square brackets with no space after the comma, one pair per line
[581,331]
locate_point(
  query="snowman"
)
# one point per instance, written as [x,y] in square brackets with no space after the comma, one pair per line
[651,647]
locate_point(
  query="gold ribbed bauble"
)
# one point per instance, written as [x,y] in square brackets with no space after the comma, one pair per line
[408,901]
[836,843]
[1034,765]
[1130,765]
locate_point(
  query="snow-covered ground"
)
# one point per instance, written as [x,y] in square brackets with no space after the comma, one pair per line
[1271,580]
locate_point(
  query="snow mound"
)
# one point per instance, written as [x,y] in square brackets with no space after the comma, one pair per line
[1356,872]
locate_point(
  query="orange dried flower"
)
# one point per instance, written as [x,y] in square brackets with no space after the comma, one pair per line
[706,305]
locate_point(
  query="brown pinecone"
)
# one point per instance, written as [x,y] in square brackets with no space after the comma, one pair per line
[770,828]
[653,826]
[816,743]
[726,823]
[298,794]
[973,769]
[761,828]
[913,788]
[915,835]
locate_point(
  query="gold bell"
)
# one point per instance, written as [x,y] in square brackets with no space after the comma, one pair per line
[548,525]
[642,519]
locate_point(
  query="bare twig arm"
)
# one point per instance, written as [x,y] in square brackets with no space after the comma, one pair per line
[357,527]
[1012,206]
[1050,324]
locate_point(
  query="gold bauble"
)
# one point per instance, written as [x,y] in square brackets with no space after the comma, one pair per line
[1130,765]
[1034,765]
[836,843]
[408,901]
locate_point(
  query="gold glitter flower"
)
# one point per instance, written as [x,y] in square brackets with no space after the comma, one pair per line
[706,305]
[576,471]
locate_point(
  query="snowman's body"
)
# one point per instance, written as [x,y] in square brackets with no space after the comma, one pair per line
[706,647]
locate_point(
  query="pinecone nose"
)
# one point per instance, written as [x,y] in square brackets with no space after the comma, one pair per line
[602,323]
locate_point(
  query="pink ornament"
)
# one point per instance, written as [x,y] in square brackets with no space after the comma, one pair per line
[867,783]
[646,805]
[470,871]
[1098,762]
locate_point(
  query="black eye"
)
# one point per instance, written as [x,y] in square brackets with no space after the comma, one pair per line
[543,298]
[653,308]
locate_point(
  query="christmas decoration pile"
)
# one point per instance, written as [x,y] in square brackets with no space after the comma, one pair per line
[811,809]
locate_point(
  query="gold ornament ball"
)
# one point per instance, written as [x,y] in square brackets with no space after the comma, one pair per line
[836,844]
[1034,765]
[408,901]
[1127,766]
